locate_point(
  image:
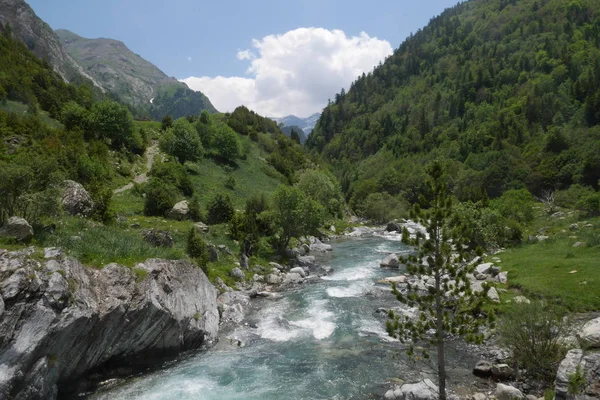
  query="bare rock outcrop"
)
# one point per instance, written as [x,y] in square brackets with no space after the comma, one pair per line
[61,321]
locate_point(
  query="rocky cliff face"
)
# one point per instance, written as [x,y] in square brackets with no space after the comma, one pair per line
[61,321]
[40,38]
[133,79]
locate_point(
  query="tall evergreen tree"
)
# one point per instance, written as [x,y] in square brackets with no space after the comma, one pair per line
[448,306]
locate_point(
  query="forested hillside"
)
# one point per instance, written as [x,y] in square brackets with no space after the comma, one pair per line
[506,92]
[237,172]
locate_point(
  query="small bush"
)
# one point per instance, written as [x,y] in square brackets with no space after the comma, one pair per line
[220,209]
[174,173]
[194,209]
[383,207]
[516,205]
[196,248]
[230,182]
[160,197]
[532,332]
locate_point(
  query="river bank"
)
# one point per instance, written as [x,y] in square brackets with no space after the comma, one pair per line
[320,339]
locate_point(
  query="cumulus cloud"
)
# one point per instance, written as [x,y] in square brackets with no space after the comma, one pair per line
[245,55]
[295,72]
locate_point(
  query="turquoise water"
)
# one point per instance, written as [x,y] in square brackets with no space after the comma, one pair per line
[320,341]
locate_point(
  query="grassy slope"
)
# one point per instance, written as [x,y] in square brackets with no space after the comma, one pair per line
[544,269]
[22,109]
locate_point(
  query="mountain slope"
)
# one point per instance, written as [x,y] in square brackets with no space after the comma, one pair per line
[306,124]
[506,92]
[133,79]
[41,39]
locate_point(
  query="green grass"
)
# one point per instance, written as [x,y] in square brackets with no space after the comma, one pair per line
[252,176]
[543,270]
[97,245]
[22,109]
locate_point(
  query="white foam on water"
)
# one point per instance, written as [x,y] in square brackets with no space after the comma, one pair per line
[355,290]
[320,322]
[372,327]
[351,274]
[273,326]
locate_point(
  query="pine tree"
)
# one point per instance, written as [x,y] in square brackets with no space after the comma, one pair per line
[449,307]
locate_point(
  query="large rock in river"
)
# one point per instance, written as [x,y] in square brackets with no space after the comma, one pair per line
[390,261]
[61,320]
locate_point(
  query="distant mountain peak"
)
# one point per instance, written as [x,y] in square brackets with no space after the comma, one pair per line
[306,124]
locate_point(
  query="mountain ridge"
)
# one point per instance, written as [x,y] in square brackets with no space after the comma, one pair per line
[39,37]
[306,124]
[132,78]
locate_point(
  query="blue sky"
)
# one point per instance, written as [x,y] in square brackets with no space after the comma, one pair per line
[200,39]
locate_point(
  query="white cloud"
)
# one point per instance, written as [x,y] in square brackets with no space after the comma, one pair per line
[296,72]
[245,55]
[189,58]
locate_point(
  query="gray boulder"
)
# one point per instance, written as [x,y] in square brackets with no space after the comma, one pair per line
[53,252]
[483,369]
[180,211]
[292,278]
[588,366]
[158,238]
[298,270]
[566,369]
[273,279]
[492,294]
[390,261]
[484,268]
[317,245]
[237,273]
[232,306]
[17,228]
[393,226]
[76,200]
[201,227]
[502,277]
[506,392]
[590,334]
[502,372]
[424,390]
[65,320]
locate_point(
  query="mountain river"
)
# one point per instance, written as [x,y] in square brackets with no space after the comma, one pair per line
[322,340]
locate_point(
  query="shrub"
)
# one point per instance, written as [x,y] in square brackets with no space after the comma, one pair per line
[194,209]
[230,182]
[220,209]
[570,197]
[160,197]
[182,141]
[173,173]
[383,207]
[111,121]
[323,188]
[516,205]
[196,247]
[532,332]
[226,143]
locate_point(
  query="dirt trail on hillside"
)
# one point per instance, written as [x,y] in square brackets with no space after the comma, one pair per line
[151,152]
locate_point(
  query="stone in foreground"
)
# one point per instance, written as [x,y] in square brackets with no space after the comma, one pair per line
[17,228]
[391,261]
[64,320]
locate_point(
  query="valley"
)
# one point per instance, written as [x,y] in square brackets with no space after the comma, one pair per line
[432,232]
